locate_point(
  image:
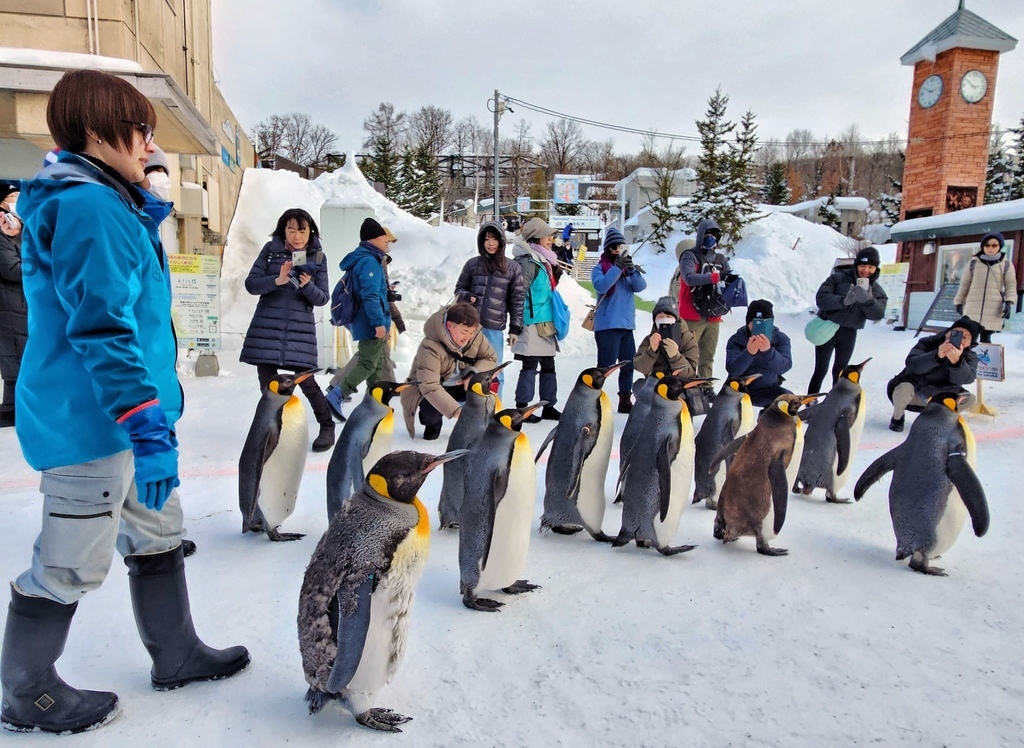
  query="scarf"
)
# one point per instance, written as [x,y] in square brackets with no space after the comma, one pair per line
[549,260]
[607,263]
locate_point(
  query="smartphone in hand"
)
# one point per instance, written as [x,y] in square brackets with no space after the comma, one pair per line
[864,283]
[298,258]
[764,327]
[956,338]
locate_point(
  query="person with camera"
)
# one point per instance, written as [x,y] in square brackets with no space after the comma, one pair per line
[617,280]
[939,363]
[988,288]
[849,297]
[290,277]
[759,347]
[704,273]
[13,309]
[670,346]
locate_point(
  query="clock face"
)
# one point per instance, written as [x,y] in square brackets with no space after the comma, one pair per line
[930,91]
[973,86]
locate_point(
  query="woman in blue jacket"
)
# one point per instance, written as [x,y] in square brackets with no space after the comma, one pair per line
[282,333]
[98,397]
[616,280]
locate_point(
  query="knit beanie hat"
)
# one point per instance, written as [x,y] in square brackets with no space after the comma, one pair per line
[665,305]
[6,188]
[370,230]
[535,229]
[760,309]
[157,160]
[867,256]
[613,237]
[994,235]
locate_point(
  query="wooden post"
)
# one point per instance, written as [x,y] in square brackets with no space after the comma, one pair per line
[979,408]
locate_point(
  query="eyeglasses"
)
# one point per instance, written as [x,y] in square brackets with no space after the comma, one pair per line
[146,130]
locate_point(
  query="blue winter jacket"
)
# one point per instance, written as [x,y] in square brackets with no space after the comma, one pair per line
[618,311]
[99,314]
[770,364]
[370,290]
[283,329]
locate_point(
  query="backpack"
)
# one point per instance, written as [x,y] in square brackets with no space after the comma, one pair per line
[707,299]
[343,303]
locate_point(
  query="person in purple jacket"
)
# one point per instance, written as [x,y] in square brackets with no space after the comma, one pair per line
[617,281]
[760,348]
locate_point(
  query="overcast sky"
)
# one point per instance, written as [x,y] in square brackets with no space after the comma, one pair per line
[649,64]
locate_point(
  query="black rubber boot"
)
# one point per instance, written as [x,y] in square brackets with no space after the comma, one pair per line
[160,601]
[325,439]
[34,696]
[625,402]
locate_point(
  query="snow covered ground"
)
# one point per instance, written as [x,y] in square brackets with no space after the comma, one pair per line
[835,644]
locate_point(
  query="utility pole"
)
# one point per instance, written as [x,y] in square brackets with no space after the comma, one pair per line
[497,118]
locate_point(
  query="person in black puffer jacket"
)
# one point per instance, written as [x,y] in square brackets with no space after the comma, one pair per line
[282,334]
[494,285]
[843,300]
[13,312]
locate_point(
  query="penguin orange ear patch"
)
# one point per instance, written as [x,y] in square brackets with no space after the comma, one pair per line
[950,403]
[588,380]
[379,484]
[735,385]
[506,421]
[855,377]
[273,386]
[478,388]
[663,390]
[378,394]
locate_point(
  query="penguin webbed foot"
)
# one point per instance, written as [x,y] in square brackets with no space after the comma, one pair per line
[673,550]
[833,499]
[318,699]
[710,503]
[519,587]
[484,604]
[601,537]
[284,537]
[719,530]
[566,529]
[765,550]
[922,567]
[385,720]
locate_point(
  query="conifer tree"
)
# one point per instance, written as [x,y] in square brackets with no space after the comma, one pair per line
[892,204]
[1001,166]
[1017,178]
[384,163]
[775,190]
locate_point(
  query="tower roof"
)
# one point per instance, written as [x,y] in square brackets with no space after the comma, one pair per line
[962,29]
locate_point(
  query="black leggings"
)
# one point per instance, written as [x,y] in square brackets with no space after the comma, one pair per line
[842,343]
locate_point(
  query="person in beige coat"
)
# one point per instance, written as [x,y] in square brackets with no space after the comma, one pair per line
[451,341]
[988,288]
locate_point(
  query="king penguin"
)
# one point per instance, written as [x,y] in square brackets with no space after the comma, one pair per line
[833,434]
[497,509]
[934,486]
[273,458]
[754,496]
[731,416]
[365,438]
[656,486]
[582,444]
[358,589]
[474,416]
[634,425]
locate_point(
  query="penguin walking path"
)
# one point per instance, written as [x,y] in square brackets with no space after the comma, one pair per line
[828,644]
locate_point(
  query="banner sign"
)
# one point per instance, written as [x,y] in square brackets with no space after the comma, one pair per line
[195,300]
[892,277]
[990,362]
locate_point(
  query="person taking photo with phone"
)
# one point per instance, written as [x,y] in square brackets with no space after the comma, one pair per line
[939,363]
[670,346]
[760,348]
[849,297]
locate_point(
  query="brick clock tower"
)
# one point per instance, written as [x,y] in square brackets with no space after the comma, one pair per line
[951,114]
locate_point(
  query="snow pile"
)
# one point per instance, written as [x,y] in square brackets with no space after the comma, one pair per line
[427,259]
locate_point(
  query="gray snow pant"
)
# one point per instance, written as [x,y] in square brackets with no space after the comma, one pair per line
[88,510]
[904,396]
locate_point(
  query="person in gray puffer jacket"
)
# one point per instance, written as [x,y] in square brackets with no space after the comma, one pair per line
[282,333]
[493,283]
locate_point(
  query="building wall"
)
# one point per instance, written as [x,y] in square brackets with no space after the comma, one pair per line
[170,36]
[948,143]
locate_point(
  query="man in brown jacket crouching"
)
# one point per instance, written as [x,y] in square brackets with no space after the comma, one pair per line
[451,341]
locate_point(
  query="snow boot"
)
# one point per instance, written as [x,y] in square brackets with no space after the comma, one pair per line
[625,402]
[334,401]
[431,432]
[164,619]
[325,439]
[34,696]
[532,418]
[896,424]
[550,413]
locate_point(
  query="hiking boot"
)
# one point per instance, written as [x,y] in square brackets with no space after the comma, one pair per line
[625,402]
[34,696]
[325,439]
[164,618]
[334,402]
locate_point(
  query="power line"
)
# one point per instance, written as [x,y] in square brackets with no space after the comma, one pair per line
[696,138]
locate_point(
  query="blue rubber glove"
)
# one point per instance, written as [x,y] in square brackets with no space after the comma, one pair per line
[154,447]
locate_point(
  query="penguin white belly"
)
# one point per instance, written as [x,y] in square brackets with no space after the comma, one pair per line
[768,523]
[390,604]
[591,500]
[856,429]
[282,472]
[380,444]
[798,453]
[746,416]
[950,524]
[510,536]
[681,478]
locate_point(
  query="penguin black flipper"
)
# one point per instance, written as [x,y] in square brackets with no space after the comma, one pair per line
[963,477]
[780,491]
[875,471]
[350,636]
[250,471]
[666,455]
[584,446]
[842,432]
[726,452]
[499,485]
[544,445]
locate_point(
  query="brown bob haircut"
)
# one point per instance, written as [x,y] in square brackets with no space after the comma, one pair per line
[85,101]
[463,314]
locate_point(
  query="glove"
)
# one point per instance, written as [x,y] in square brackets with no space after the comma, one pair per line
[850,299]
[959,308]
[512,339]
[862,295]
[394,296]
[1007,309]
[715,276]
[671,348]
[154,448]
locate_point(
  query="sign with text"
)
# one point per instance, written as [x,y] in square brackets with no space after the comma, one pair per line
[892,277]
[990,362]
[579,223]
[195,300]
